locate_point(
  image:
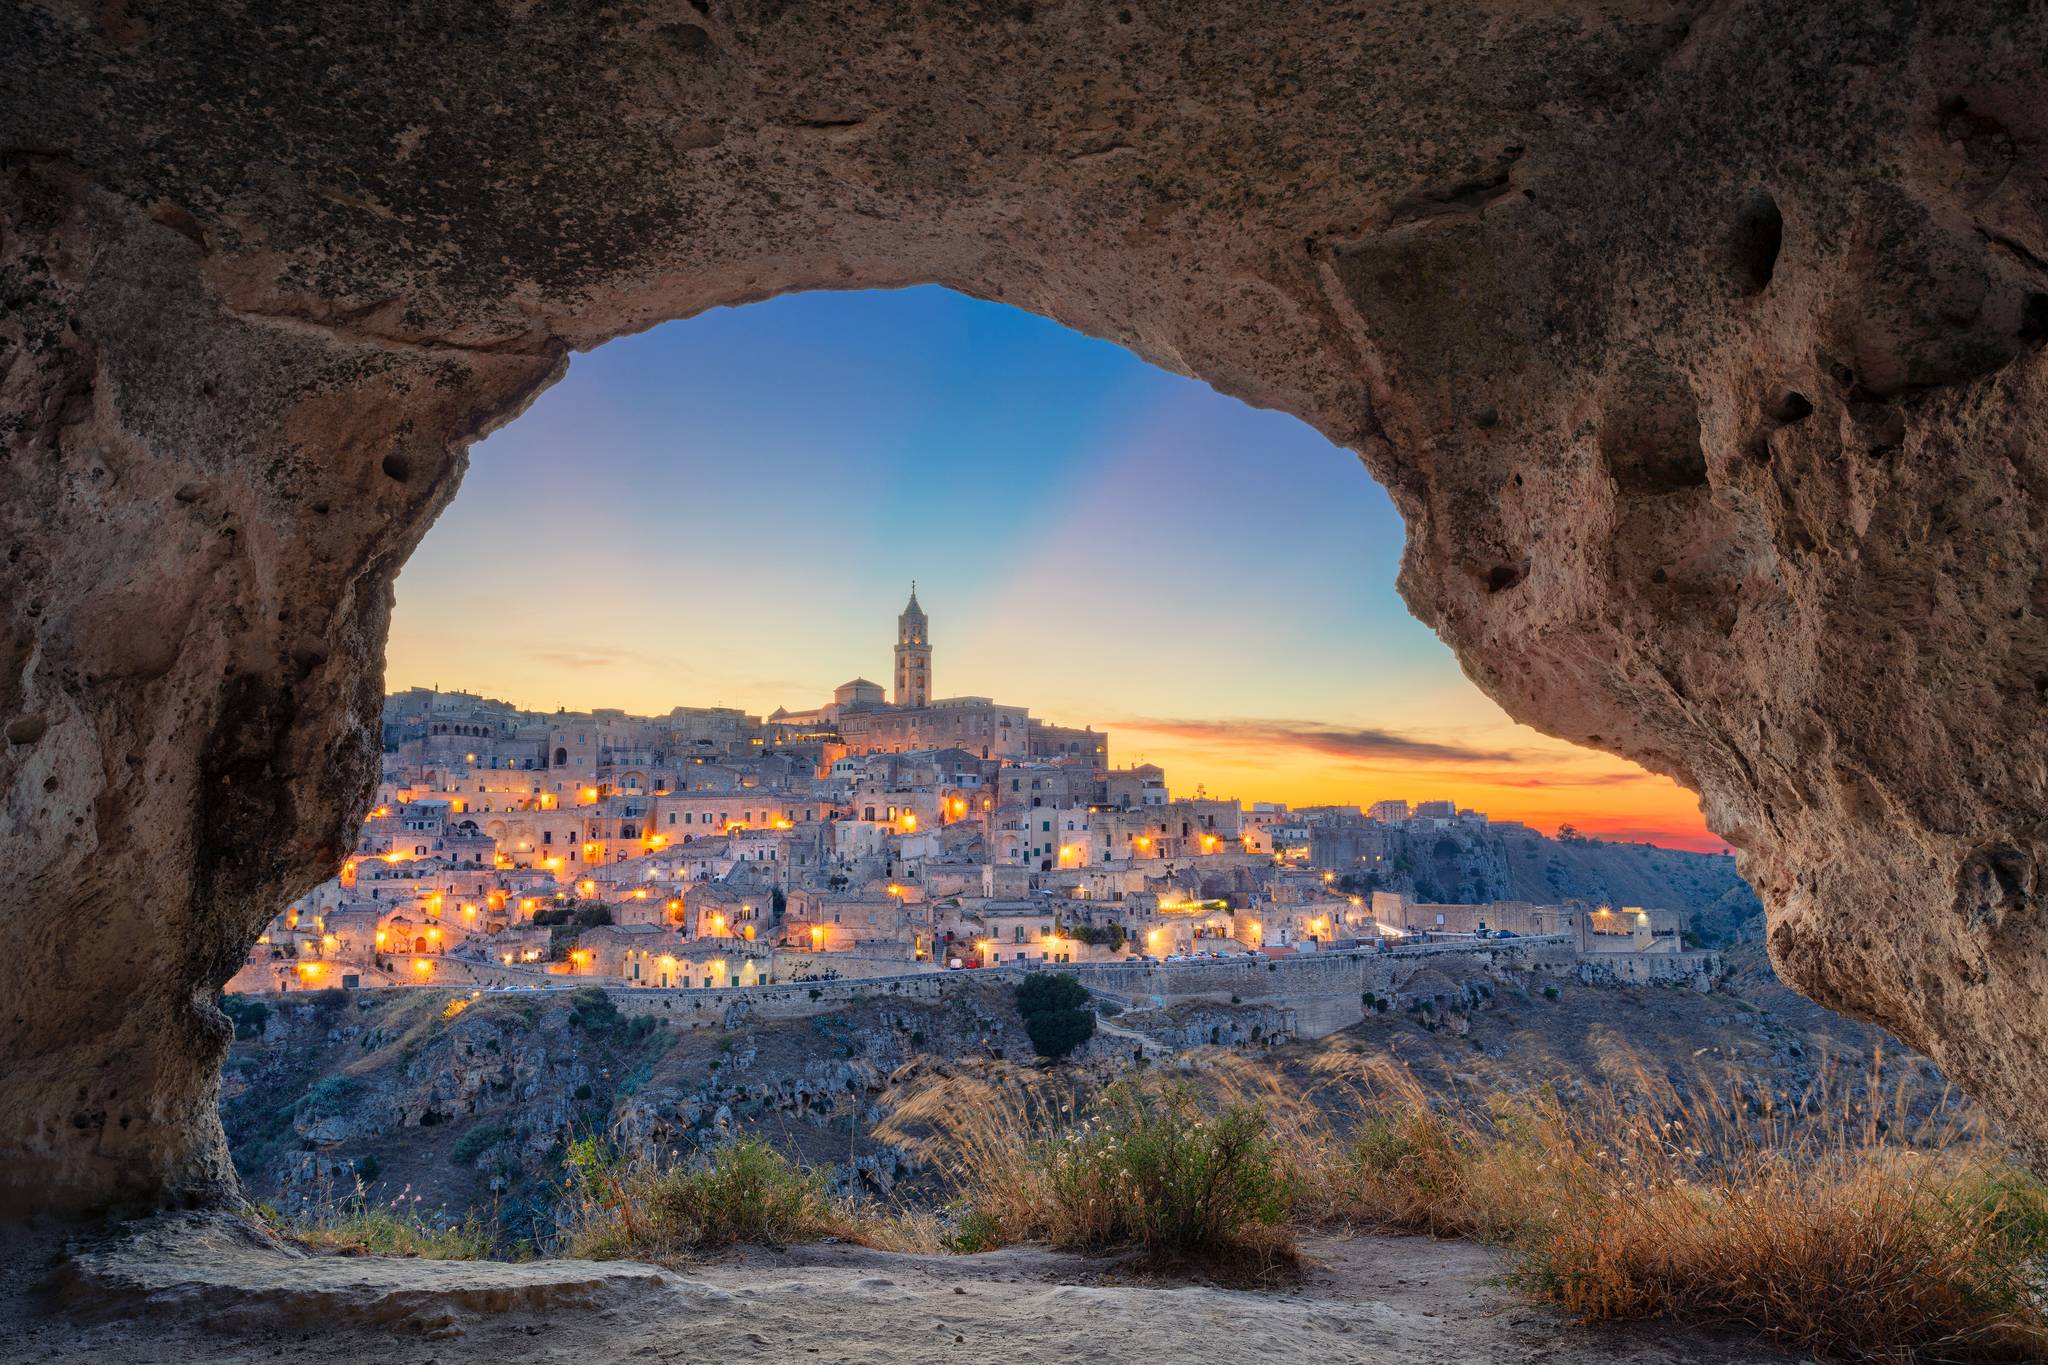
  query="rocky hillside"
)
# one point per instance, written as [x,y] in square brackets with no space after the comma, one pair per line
[469,1105]
[465,1104]
[1718,906]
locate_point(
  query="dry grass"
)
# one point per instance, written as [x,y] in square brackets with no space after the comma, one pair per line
[1855,1222]
[353,1225]
[747,1192]
[1145,1167]
[1852,1224]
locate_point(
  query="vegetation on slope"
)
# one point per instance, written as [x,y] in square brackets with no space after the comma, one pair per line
[1763,1185]
[1838,1226]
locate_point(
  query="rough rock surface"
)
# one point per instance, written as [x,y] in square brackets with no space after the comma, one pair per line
[216,1271]
[191,1287]
[1699,343]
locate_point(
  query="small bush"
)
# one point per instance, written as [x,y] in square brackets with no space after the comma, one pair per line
[1153,1170]
[330,1096]
[477,1141]
[247,1014]
[591,1010]
[748,1193]
[1158,1173]
[976,1231]
[1550,992]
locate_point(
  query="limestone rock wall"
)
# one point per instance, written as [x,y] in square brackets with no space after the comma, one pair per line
[1700,345]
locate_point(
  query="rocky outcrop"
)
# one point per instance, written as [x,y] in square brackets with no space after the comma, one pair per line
[1700,345]
[229,1275]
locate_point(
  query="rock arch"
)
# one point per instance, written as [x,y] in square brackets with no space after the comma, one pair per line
[1557,271]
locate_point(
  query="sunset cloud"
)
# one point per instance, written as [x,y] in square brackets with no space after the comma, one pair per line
[1365,745]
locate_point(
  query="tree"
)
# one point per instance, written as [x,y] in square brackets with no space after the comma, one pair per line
[1056,1033]
[1051,991]
[1056,1013]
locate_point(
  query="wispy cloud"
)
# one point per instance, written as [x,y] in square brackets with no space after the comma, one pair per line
[592,658]
[1551,777]
[1329,741]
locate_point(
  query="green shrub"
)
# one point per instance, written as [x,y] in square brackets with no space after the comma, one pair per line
[330,1095]
[477,1141]
[247,1014]
[976,1231]
[749,1193]
[592,1010]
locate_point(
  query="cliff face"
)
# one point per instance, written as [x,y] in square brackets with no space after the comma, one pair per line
[1701,346]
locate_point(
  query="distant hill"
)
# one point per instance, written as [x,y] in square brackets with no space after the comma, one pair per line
[1718,905]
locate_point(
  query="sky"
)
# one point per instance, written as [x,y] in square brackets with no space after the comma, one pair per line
[729,511]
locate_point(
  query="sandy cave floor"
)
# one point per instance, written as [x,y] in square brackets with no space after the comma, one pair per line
[193,1292]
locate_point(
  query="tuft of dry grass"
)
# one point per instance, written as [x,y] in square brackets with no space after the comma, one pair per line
[1144,1166]
[354,1225]
[635,1206]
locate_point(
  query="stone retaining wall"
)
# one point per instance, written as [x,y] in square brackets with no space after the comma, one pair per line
[1324,991]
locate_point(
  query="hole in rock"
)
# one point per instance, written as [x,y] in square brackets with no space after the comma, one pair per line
[1789,407]
[2034,319]
[1650,438]
[1759,235]
[659,641]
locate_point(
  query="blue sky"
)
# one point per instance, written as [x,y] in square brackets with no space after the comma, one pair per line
[729,510]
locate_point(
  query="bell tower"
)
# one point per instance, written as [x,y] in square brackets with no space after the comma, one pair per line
[913,655]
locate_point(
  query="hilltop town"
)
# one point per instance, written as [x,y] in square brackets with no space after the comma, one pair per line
[874,835]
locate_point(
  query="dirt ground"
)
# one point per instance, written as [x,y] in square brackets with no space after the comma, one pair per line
[204,1291]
